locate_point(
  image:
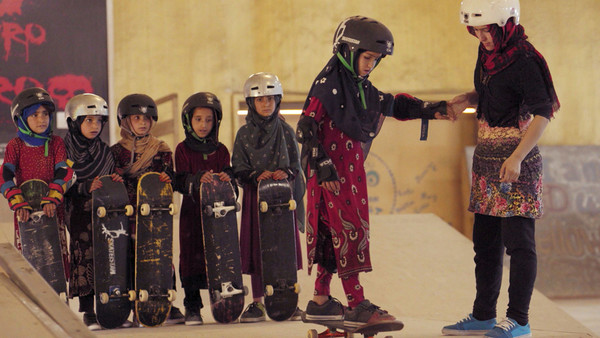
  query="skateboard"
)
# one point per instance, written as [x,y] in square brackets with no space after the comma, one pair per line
[222,250]
[154,250]
[110,227]
[367,330]
[278,248]
[40,239]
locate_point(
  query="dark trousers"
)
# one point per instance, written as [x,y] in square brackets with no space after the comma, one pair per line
[192,298]
[490,236]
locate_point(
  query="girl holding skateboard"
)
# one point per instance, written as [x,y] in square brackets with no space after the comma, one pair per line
[197,158]
[265,147]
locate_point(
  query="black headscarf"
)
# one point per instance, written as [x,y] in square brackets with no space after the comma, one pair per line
[91,157]
[206,145]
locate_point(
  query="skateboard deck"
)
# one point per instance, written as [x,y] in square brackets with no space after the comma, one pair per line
[110,228]
[222,250]
[154,250]
[40,239]
[278,248]
[336,328]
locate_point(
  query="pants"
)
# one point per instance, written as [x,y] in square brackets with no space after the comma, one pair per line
[354,291]
[490,236]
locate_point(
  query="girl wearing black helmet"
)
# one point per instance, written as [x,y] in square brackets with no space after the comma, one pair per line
[342,115]
[196,159]
[36,154]
[515,100]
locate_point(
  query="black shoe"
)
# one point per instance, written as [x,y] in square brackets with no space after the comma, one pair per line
[255,312]
[366,313]
[89,319]
[175,316]
[330,310]
[193,317]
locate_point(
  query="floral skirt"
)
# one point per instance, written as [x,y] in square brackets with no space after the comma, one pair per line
[491,197]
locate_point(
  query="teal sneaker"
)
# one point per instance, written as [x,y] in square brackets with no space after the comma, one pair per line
[509,328]
[469,326]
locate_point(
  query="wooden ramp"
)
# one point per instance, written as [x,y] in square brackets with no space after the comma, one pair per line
[423,274]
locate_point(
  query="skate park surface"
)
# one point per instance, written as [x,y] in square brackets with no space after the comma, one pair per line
[422,274]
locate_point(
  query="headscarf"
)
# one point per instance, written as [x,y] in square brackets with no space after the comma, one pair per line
[510,42]
[146,145]
[351,101]
[91,158]
[25,133]
[204,145]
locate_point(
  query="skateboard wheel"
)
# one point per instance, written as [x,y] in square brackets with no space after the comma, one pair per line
[208,210]
[296,288]
[143,295]
[313,333]
[101,212]
[104,297]
[217,294]
[245,290]
[145,209]
[172,296]
[269,291]
[292,205]
[132,295]
[264,206]
[172,209]
[128,210]
[238,206]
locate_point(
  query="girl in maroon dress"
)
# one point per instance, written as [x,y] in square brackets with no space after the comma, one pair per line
[196,158]
[341,116]
[36,154]
[265,147]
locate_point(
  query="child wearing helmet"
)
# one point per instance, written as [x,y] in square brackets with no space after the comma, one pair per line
[36,154]
[86,116]
[342,115]
[139,152]
[196,158]
[265,147]
[515,100]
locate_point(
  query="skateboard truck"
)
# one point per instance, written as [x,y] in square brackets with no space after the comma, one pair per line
[228,290]
[220,210]
[36,216]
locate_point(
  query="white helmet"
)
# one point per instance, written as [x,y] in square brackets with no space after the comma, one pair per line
[86,104]
[262,84]
[487,12]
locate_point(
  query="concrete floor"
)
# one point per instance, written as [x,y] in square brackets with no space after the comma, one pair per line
[423,274]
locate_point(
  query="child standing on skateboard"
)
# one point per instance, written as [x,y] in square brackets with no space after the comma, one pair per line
[86,116]
[265,147]
[341,116]
[196,159]
[36,154]
[138,152]
[515,100]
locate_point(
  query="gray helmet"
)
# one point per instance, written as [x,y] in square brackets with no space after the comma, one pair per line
[487,12]
[262,84]
[137,104]
[29,97]
[84,105]
[360,32]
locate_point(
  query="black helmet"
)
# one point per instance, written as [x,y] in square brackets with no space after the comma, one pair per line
[360,32]
[29,97]
[137,104]
[202,99]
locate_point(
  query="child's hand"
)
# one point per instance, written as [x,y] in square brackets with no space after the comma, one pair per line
[280,175]
[224,177]
[164,177]
[96,184]
[116,177]
[50,209]
[22,214]
[331,186]
[207,177]
[265,175]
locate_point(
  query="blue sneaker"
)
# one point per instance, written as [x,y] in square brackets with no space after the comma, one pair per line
[469,326]
[509,328]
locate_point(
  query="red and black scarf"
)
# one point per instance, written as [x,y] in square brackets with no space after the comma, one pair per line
[510,42]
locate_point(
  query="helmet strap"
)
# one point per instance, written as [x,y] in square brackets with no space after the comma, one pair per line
[30,133]
[351,69]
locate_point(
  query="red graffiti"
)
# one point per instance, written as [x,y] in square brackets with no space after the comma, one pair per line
[14,32]
[60,87]
[10,7]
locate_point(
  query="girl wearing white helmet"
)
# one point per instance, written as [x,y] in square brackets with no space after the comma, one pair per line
[342,115]
[515,100]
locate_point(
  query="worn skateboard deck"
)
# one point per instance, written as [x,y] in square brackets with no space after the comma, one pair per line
[278,248]
[154,250]
[222,250]
[336,328]
[110,228]
[40,238]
